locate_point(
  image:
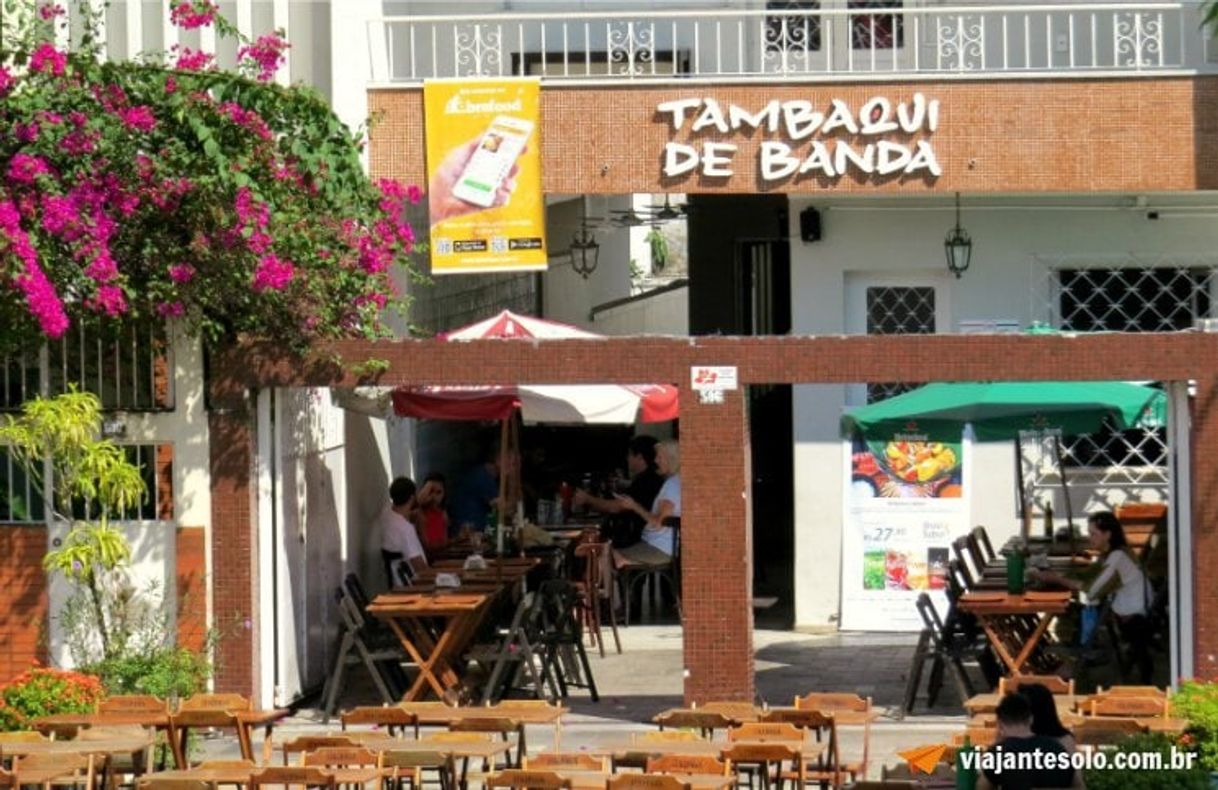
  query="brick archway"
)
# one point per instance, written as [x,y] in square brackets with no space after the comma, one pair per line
[718,607]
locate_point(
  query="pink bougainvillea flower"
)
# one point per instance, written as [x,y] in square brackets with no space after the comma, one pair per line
[47,58]
[24,168]
[40,297]
[266,53]
[192,60]
[25,132]
[171,309]
[139,118]
[6,80]
[171,85]
[181,273]
[49,11]
[272,273]
[110,300]
[191,15]
[413,193]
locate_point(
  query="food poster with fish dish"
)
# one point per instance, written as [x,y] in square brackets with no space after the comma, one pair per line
[905,502]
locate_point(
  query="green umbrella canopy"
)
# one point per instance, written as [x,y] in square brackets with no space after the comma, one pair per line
[1000,410]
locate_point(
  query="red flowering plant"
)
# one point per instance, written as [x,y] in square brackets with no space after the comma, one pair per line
[44,692]
[165,188]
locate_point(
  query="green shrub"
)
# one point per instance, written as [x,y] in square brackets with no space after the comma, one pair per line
[45,692]
[1198,702]
[168,673]
[1196,778]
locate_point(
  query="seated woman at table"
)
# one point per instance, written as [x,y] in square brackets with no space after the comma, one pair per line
[1118,569]
[658,539]
[1045,721]
[430,516]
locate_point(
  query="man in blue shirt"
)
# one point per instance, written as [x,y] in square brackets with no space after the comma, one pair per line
[475,494]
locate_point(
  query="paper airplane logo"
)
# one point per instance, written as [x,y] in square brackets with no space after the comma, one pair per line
[924,758]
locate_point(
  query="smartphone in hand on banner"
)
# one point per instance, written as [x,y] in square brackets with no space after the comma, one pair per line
[492,160]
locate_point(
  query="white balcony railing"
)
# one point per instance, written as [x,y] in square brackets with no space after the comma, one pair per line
[1012,40]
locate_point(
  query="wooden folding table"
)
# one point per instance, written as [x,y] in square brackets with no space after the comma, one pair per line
[1015,624]
[408,613]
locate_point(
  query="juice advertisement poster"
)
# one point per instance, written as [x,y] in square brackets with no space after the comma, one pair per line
[905,466]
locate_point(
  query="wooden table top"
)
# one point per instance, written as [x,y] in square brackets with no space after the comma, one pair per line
[595,780]
[383,742]
[427,604]
[998,602]
[743,712]
[440,713]
[125,744]
[988,702]
[61,721]
[227,718]
[716,748]
[237,775]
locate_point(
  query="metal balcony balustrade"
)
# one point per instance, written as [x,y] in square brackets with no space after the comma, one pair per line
[797,40]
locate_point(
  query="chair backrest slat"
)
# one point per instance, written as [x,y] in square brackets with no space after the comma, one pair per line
[645,782]
[528,779]
[572,761]
[687,764]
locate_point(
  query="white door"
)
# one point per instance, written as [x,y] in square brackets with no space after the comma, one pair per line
[888,304]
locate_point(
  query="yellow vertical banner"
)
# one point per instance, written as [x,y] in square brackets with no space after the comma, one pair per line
[484,175]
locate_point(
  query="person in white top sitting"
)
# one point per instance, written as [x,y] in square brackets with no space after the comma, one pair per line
[399,538]
[657,545]
[1129,601]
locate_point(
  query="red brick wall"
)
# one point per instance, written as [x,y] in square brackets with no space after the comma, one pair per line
[23,598]
[164,482]
[190,554]
[234,563]
[993,136]
[718,608]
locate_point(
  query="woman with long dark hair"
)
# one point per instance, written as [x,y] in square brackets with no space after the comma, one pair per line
[1119,570]
[1045,720]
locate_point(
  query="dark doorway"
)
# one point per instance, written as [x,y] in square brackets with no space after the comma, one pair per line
[740,284]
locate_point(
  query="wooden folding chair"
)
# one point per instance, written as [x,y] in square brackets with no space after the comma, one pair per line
[354,648]
[666,736]
[409,765]
[827,766]
[463,737]
[158,783]
[594,593]
[391,717]
[704,721]
[527,780]
[311,743]
[517,656]
[982,539]
[1104,732]
[645,782]
[849,710]
[744,755]
[293,775]
[342,757]
[571,761]
[945,653]
[689,764]
[504,727]
[1127,706]
[133,703]
[53,769]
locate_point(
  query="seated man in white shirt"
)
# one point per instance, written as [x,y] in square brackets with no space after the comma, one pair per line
[399,539]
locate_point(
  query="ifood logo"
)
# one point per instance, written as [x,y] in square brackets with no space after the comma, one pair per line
[459,106]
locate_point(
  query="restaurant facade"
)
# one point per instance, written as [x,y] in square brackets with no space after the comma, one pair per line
[825,150]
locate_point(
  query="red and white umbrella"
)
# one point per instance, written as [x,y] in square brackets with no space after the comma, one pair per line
[559,403]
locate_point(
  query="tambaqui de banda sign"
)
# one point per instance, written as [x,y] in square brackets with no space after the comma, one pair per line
[880,130]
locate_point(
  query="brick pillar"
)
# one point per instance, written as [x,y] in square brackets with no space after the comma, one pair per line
[716,550]
[1205,529]
[234,571]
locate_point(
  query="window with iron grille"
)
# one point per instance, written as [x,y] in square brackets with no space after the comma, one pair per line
[1133,299]
[790,33]
[128,367]
[878,30]
[898,310]
[144,457]
[20,499]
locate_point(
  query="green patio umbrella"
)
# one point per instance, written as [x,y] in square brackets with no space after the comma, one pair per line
[1002,410]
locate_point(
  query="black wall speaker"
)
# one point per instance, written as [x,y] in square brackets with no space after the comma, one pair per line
[809,224]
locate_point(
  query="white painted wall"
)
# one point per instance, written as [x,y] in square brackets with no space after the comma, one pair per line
[904,238]
[569,297]
[665,313]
